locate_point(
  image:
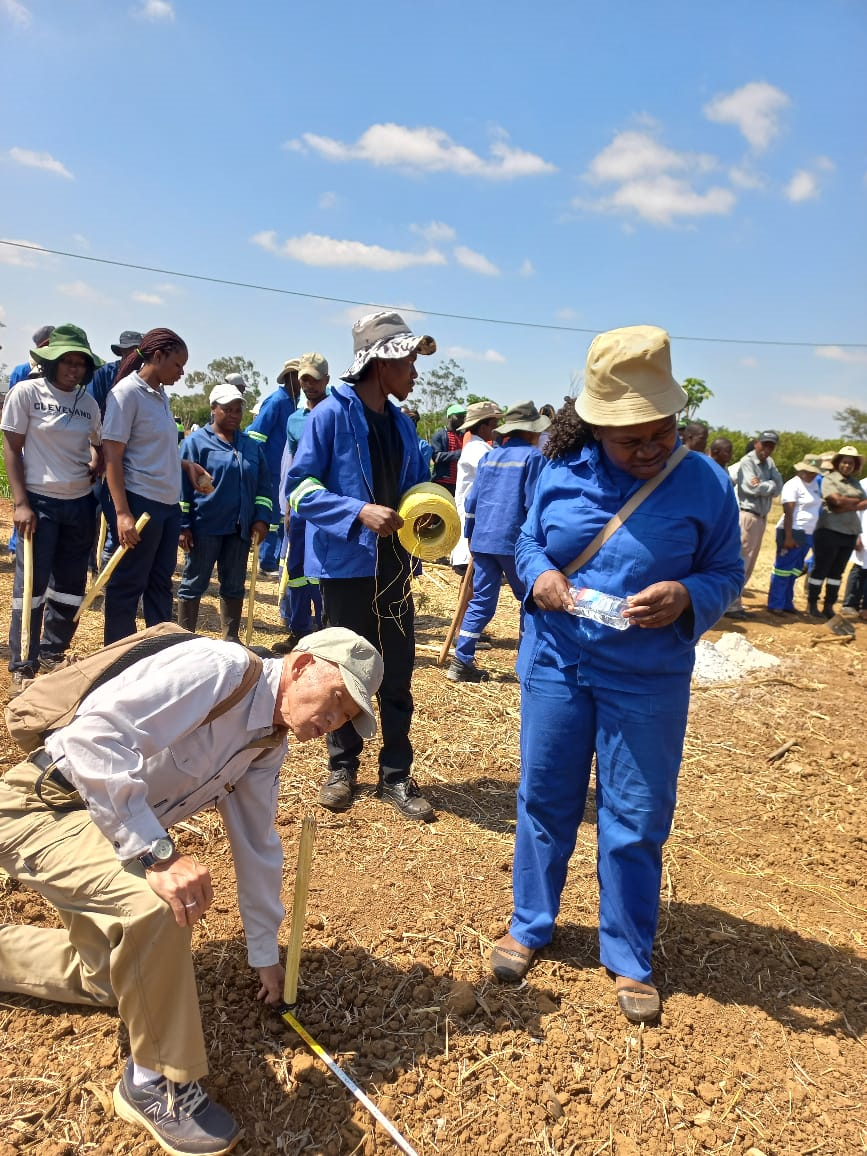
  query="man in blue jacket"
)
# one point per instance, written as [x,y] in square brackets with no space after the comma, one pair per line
[494,511]
[359,454]
[268,428]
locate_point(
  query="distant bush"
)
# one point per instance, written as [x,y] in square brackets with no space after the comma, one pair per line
[792,447]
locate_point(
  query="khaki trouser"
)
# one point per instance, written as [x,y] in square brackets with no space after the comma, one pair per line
[119,946]
[752,533]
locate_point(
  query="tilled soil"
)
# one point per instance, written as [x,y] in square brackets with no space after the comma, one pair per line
[760,957]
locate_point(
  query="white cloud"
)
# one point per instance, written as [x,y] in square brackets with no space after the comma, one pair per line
[636,154]
[755,108]
[156,11]
[475,262]
[826,402]
[460,353]
[435,232]
[148,298]
[428,150]
[328,200]
[745,177]
[33,160]
[81,291]
[80,240]
[528,269]
[16,12]
[837,353]
[567,314]
[825,164]
[20,258]
[313,249]
[748,363]
[642,168]
[660,200]
[167,287]
[804,186]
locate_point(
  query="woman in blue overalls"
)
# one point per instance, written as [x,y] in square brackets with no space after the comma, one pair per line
[218,527]
[621,695]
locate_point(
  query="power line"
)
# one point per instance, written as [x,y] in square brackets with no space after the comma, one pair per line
[428,312]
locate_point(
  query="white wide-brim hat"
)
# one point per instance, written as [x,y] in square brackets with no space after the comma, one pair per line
[628,378]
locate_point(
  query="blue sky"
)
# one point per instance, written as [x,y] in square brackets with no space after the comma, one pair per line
[696,166]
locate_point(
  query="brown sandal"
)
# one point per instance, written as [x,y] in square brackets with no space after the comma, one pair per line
[509,963]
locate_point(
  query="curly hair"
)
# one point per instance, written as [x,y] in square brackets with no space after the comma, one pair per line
[154,341]
[567,432]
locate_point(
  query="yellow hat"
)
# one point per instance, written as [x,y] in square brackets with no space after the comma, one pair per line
[628,378]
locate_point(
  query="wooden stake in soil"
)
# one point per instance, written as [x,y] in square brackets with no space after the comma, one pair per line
[299,907]
[103,534]
[251,593]
[464,596]
[26,598]
[111,565]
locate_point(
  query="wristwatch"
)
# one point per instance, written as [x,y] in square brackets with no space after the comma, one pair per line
[162,852]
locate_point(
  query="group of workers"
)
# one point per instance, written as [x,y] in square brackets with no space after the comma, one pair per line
[617,505]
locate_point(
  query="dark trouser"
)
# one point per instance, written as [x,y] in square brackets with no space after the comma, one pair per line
[831,552]
[855,597]
[145,572]
[228,552]
[381,610]
[61,549]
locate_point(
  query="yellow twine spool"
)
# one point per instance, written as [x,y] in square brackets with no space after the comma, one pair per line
[431,525]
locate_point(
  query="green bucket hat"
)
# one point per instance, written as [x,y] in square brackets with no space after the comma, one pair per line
[67,339]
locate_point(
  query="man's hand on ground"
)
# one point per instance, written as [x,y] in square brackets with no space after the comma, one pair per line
[271,977]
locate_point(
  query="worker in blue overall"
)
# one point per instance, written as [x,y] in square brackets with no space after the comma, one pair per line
[268,428]
[358,456]
[494,511]
[301,605]
[619,694]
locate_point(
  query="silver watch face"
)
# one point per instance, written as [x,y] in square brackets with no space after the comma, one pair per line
[162,849]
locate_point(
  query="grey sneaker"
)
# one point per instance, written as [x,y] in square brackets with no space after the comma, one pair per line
[466,672]
[181,1117]
[337,791]
[18,681]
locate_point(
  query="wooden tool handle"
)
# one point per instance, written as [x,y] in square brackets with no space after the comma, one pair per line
[464,596]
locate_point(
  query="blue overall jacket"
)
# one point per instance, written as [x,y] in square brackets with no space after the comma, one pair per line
[331,479]
[501,495]
[242,485]
[686,531]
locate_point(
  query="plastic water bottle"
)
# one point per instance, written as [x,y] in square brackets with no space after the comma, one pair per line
[605,608]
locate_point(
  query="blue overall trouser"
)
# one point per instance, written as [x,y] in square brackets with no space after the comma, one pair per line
[228,552]
[788,566]
[638,742]
[271,548]
[145,572]
[61,549]
[488,571]
[301,605]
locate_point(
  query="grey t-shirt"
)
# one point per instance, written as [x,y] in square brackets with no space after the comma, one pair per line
[58,429]
[140,417]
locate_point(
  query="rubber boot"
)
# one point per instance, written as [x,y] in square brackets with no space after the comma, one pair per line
[830,603]
[231,610]
[188,613]
[813,600]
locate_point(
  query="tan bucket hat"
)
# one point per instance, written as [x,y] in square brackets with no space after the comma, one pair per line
[477,412]
[288,367]
[628,378]
[806,467]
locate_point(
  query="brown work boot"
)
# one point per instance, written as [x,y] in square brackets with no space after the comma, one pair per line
[337,792]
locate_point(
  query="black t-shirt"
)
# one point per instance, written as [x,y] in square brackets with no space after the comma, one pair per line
[386,456]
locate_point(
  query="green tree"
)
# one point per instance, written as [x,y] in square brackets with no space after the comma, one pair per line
[697,393]
[852,423]
[434,391]
[192,405]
